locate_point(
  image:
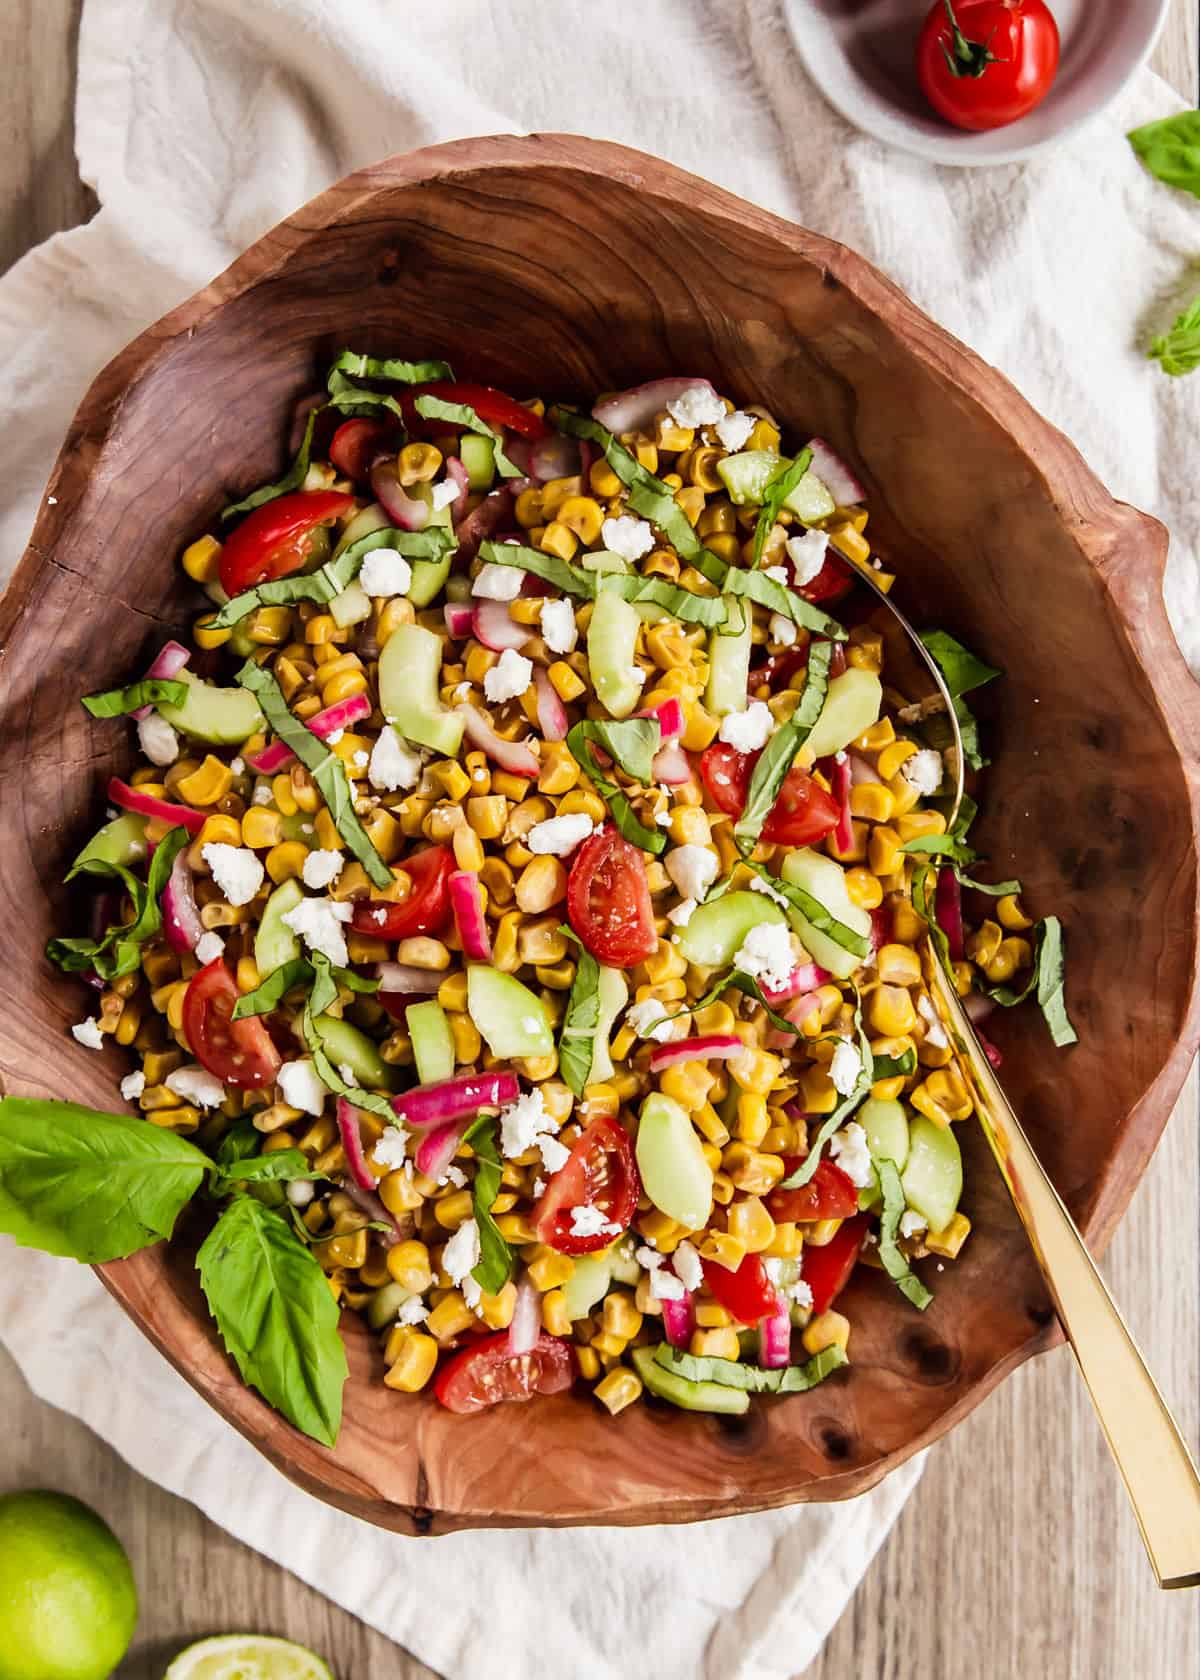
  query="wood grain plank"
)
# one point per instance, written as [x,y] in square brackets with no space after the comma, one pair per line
[1177,55]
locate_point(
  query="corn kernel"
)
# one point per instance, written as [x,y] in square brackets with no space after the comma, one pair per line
[262,828]
[550,1270]
[620,1388]
[450,1317]
[1010,915]
[715,1344]
[723,1248]
[828,1329]
[201,560]
[951,1239]
[749,1221]
[890,1010]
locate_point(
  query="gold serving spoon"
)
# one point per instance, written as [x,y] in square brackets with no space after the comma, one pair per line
[1156,1467]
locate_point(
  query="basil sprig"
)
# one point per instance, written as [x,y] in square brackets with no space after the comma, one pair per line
[633,743]
[776,597]
[119,950]
[292,479]
[680,603]
[1170,149]
[297,971]
[890,1256]
[962,673]
[580,1019]
[1047,981]
[495,1265]
[559,573]
[335,575]
[732,1373]
[150,691]
[359,366]
[1178,349]
[779,487]
[775,760]
[430,407]
[323,765]
[282,1166]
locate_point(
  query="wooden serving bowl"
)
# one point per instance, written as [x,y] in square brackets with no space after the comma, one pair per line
[559,265]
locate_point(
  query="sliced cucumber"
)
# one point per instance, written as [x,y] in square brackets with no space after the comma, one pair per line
[428,576]
[810,500]
[932,1177]
[745,476]
[670,1158]
[409,668]
[511,1019]
[625,1267]
[222,716]
[346,1046]
[851,706]
[385,1304]
[368,519]
[690,1396]
[886,1126]
[825,880]
[478,456]
[432,1042]
[729,667]
[123,841]
[587,1284]
[611,645]
[716,931]
[352,606]
[614,995]
[605,563]
[275,943]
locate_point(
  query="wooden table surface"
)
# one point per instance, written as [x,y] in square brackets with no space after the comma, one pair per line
[1016,1556]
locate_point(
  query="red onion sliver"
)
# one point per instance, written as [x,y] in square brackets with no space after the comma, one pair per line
[146,805]
[551,713]
[805,978]
[356,1160]
[403,510]
[450,1099]
[526,1324]
[630,411]
[468,916]
[835,475]
[436,1149]
[405,978]
[512,756]
[861,773]
[272,758]
[371,1205]
[458,615]
[181,914]
[799,1010]
[671,766]
[353,709]
[679,1320]
[483,521]
[553,456]
[496,627]
[456,471]
[170,661]
[840,787]
[990,1050]
[977,1007]
[670,717]
[713,1047]
[775,1337]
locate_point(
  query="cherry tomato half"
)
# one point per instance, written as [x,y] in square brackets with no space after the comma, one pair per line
[356,443]
[834,580]
[425,910]
[273,541]
[747,1293]
[486,1373]
[237,1052]
[829,1194]
[984,63]
[600,1173]
[608,901]
[803,812]
[827,1270]
[495,407]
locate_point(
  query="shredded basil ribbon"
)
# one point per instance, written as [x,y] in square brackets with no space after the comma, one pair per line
[580,1020]
[962,673]
[331,1078]
[776,597]
[941,845]
[775,760]
[150,691]
[1048,980]
[430,407]
[495,1265]
[118,951]
[843,1111]
[358,366]
[993,889]
[738,982]
[335,575]
[633,743]
[731,1373]
[779,487]
[890,1257]
[924,904]
[324,766]
[894,1067]
[292,479]
[270,993]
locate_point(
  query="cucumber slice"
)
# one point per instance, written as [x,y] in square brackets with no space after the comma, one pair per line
[810,500]
[345,1045]
[886,1126]
[240,642]
[432,1043]
[409,668]
[605,563]
[611,644]
[689,1396]
[745,475]
[625,1268]
[670,1158]
[275,943]
[478,455]
[851,706]
[825,879]
[729,668]
[932,1178]
[511,1018]
[716,931]
[614,995]
[368,519]
[428,576]
[385,1304]
[587,1284]
[352,606]
[222,716]
[123,841]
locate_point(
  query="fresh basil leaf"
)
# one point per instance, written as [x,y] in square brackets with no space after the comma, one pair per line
[117,702]
[893,1067]
[679,603]
[561,574]
[334,576]
[775,760]
[967,812]
[322,763]
[962,672]
[270,993]
[1048,980]
[332,1079]
[577,1036]
[748,986]
[462,414]
[833,1122]
[277,1318]
[1178,349]
[281,1166]
[91,1186]
[495,1265]
[779,487]
[776,597]
[994,889]
[359,366]
[356,400]
[630,746]
[240,1142]
[922,890]
[292,479]
[732,1373]
[941,845]
[890,1256]
[1170,149]
[119,950]
[324,988]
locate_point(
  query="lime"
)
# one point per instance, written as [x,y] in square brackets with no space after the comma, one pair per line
[247,1656]
[68,1605]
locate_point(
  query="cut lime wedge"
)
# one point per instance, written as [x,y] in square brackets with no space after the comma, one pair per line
[247,1656]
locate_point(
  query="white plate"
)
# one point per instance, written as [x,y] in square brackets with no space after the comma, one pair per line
[861,55]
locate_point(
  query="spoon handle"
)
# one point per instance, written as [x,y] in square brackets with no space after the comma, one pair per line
[1156,1467]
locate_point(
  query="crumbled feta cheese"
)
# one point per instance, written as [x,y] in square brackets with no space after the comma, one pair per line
[333,737]
[509,677]
[462,1252]
[196,1085]
[559,835]
[648,1020]
[911,1223]
[347,1073]
[385,572]
[698,405]
[935,1033]
[317,922]
[778,574]
[462,691]
[627,536]
[766,954]
[591,1222]
[559,631]
[263,794]
[237,765]
[845,1067]
[539,1184]
[682,913]
[300,1192]
[748,730]
[454,1176]
[361,759]
[390,1150]
[321,868]
[850,1150]
[800,1293]
[693,869]
[306,828]
[758,885]
[665,1286]
[647,1259]
[209,947]
[923,771]
[157,739]
[807,554]
[299,1085]
[441,495]
[687,1266]
[555,1155]
[498,583]
[393,763]
[782,630]
[734,430]
[412,1311]
[133,1085]
[236,870]
[663,818]
[521,1122]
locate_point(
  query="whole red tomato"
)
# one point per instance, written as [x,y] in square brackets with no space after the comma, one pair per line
[984,63]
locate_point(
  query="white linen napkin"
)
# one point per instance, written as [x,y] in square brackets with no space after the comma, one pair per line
[202,122]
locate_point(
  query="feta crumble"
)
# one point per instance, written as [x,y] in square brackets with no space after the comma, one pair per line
[649,1020]
[462,1252]
[559,836]
[300,1086]
[413,1311]
[807,554]
[454,1176]
[911,1223]
[238,766]
[300,1192]
[778,574]
[758,885]
[559,630]
[555,1156]
[157,739]
[196,1085]
[441,495]
[133,1085]
[317,922]
[845,1068]
[647,1259]
[591,1222]
[334,736]
[734,430]
[321,868]
[209,947]
[923,771]
[682,913]
[385,572]
[665,1286]
[236,870]
[935,1033]
[692,869]
[263,794]
[850,1150]
[627,536]
[522,1121]
[698,405]
[393,764]
[766,955]
[748,730]
[782,630]
[498,583]
[688,1269]
[391,1149]
[508,678]
[361,759]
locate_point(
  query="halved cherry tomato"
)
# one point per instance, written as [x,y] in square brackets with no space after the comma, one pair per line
[829,1194]
[355,444]
[496,407]
[425,910]
[486,1373]
[747,1293]
[835,579]
[827,1270]
[777,672]
[608,901]
[237,1052]
[984,63]
[273,541]
[803,812]
[599,1173]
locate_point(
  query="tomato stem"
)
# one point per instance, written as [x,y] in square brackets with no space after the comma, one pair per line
[968,58]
